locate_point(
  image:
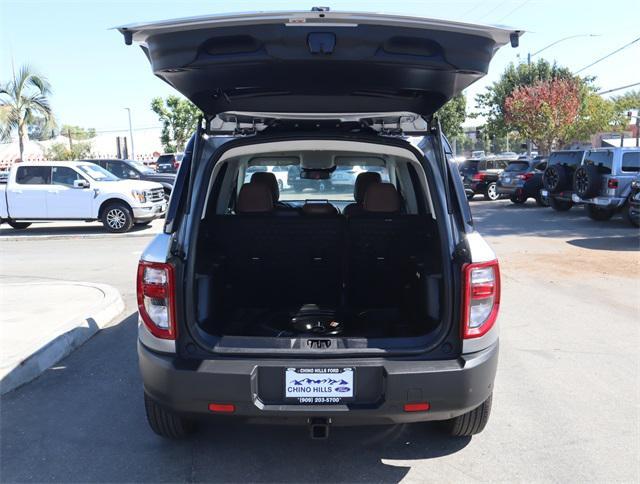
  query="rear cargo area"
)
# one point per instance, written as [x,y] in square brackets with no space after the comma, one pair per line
[292,271]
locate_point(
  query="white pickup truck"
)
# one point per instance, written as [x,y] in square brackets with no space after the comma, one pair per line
[74,190]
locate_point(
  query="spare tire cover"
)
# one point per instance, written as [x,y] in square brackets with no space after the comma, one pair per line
[587,181]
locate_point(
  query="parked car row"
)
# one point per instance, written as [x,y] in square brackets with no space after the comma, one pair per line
[119,193]
[605,180]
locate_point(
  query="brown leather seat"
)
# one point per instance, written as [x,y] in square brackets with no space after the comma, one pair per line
[363,182]
[269,179]
[382,198]
[319,209]
[254,198]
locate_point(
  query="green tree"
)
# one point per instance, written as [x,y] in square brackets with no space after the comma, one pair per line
[491,102]
[595,114]
[23,99]
[627,101]
[77,133]
[62,152]
[41,129]
[452,115]
[179,119]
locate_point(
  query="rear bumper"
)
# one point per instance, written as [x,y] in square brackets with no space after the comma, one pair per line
[604,202]
[452,387]
[566,196]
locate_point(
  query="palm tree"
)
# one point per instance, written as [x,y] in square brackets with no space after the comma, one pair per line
[22,100]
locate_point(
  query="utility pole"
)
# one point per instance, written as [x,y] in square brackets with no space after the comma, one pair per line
[69,136]
[130,134]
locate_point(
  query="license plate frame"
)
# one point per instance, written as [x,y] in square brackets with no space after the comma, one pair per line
[326,386]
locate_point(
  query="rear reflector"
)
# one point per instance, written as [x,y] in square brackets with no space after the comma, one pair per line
[416,407]
[222,407]
[481,298]
[612,183]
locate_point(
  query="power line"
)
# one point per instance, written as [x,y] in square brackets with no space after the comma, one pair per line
[608,55]
[619,88]
[493,10]
[514,10]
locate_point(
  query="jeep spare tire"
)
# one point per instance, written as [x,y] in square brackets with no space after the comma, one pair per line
[587,181]
[555,178]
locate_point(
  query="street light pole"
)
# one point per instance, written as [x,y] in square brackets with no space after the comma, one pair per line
[530,55]
[130,133]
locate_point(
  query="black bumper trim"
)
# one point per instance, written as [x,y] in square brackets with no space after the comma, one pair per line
[452,387]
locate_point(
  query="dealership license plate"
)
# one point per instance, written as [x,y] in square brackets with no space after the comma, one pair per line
[319,385]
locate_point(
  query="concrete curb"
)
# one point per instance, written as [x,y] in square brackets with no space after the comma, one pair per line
[13,238]
[104,315]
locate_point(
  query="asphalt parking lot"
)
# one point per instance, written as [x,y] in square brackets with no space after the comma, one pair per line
[565,404]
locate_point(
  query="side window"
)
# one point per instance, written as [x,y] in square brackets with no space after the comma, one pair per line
[541,166]
[631,161]
[116,167]
[601,159]
[33,175]
[63,175]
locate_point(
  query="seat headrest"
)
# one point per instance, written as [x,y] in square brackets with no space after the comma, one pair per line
[254,198]
[319,209]
[382,198]
[364,181]
[269,179]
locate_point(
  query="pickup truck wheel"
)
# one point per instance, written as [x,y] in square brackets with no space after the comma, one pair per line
[470,423]
[19,225]
[560,205]
[492,192]
[117,218]
[166,423]
[598,213]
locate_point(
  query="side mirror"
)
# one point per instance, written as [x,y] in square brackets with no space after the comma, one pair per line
[80,184]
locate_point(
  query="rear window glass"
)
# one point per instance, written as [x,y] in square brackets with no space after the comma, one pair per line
[470,166]
[33,175]
[338,187]
[602,159]
[631,161]
[571,158]
[517,166]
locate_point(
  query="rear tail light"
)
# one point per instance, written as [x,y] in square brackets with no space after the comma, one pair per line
[612,183]
[479,176]
[525,176]
[156,298]
[481,298]
[222,407]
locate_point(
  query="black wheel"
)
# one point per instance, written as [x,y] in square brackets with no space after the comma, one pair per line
[166,423]
[470,196]
[635,221]
[19,225]
[117,218]
[519,199]
[560,205]
[600,214]
[555,178]
[587,181]
[492,192]
[470,423]
[541,200]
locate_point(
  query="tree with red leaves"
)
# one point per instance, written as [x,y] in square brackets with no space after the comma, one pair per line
[544,111]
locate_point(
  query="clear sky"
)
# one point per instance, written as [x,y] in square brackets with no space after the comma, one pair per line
[94,75]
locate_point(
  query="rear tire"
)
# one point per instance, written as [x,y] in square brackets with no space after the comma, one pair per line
[166,423]
[518,199]
[632,220]
[541,200]
[470,196]
[117,218]
[560,205]
[19,225]
[599,214]
[492,192]
[470,423]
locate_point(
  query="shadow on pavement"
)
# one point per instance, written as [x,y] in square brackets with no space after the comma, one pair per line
[625,244]
[83,421]
[503,218]
[83,228]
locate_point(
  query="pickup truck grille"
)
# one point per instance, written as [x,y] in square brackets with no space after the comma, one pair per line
[155,195]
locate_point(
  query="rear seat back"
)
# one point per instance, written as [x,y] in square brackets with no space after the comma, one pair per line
[270,261]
